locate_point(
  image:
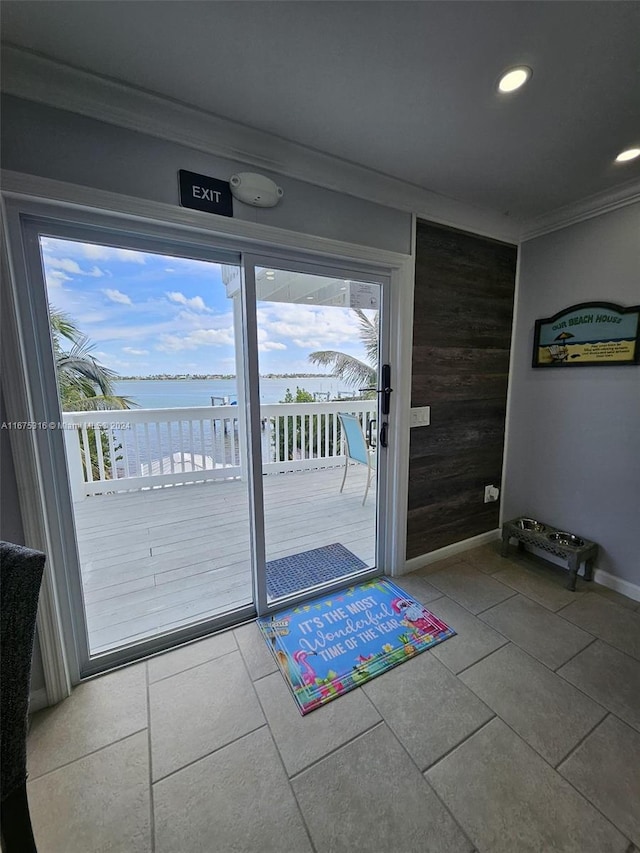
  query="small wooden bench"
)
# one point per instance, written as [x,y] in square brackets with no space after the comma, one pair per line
[574,555]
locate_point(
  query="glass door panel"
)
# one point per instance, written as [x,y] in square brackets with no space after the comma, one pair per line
[318,350]
[148,351]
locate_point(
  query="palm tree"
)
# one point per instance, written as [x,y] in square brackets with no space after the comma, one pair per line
[84,384]
[352,370]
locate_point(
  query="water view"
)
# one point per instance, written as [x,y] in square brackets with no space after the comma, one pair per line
[179,393]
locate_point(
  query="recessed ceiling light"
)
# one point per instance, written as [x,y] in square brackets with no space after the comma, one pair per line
[514,78]
[629,154]
[309,297]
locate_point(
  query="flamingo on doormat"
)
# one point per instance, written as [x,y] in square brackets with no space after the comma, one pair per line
[308,673]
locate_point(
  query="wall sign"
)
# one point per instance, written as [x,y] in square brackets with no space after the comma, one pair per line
[363,295]
[588,334]
[202,193]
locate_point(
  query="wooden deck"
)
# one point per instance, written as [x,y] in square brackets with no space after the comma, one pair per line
[158,559]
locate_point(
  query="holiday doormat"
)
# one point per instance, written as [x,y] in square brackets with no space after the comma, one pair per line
[334,643]
[310,568]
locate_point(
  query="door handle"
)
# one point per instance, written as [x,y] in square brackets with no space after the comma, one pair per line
[383,434]
[386,389]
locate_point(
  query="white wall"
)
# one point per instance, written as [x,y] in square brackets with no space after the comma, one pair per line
[52,143]
[573,455]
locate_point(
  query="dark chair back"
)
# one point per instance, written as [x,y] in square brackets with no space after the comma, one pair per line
[20,578]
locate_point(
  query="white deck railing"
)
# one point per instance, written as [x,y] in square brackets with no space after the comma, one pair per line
[114,451]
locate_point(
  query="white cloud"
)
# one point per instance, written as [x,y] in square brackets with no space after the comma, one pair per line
[68,265]
[196,303]
[198,338]
[307,343]
[271,345]
[311,327]
[133,351]
[110,253]
[133,332]
[56,277]
[117,296]
[65,264]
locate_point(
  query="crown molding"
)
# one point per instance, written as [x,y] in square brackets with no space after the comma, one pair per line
[586,208]
[37,78]
[32,188]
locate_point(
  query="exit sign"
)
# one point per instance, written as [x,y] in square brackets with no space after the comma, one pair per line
[202,193]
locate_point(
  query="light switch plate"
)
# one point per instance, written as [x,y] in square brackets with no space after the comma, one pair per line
[421,416]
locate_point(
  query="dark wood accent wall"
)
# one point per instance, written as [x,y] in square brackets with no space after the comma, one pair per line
[461,337]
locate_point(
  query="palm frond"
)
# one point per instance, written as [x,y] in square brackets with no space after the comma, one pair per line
[84,384]
[351,370]
[79,361]
[101,403]
[346,367]
[62,325]
[369,334]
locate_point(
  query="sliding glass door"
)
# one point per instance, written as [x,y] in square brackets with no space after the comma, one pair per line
[319,346]
[220,423]
[145,351]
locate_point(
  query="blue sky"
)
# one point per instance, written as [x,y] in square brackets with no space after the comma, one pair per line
[150,313]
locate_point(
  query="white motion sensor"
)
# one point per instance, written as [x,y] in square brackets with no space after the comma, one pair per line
[255,189]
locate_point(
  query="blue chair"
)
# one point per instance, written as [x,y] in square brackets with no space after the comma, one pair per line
[356,448]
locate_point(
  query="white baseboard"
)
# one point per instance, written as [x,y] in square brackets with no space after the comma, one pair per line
[631,590]
[448,551]
[38,700]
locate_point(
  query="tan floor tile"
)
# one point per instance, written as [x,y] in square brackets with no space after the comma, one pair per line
[193,654]
[509,800]
[96,804]
[369,796]
[237,800]
[472,589]
[197,711]
[474,639]
[303,740]
[542,584]
[427,707]
[545,636]
[488,558]
[550,714]
[616,625]
[606,769]
[257,657]
[98,712]
[418,586]
[608,676]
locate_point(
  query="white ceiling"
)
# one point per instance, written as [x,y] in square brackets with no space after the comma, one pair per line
[404,88]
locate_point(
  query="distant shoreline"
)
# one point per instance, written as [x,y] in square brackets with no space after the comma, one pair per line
[220,376]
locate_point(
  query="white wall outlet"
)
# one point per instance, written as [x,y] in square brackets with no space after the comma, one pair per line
[491,493]
[421,416]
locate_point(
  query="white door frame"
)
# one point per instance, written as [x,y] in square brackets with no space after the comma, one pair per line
[43,503]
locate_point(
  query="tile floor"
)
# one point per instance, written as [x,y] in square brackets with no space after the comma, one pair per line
[522,733]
